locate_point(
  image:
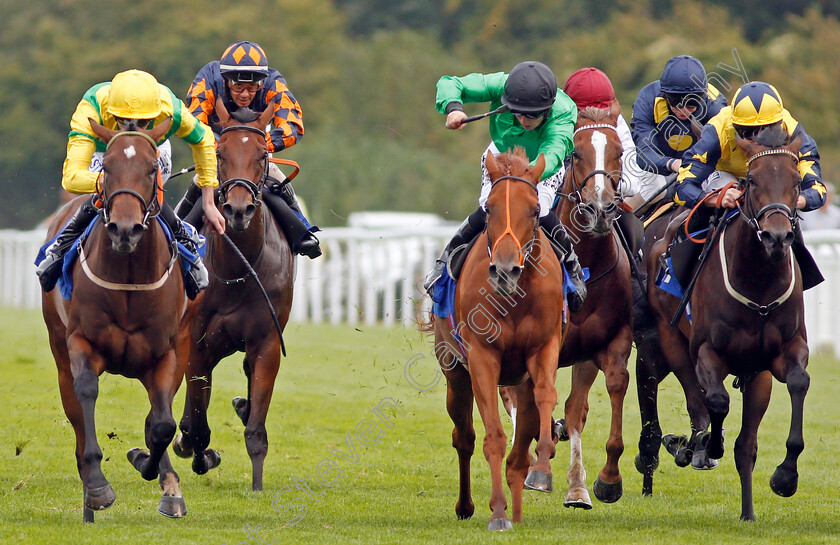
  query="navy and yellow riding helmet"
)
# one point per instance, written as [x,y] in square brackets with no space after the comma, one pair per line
[244,61]
[756,104]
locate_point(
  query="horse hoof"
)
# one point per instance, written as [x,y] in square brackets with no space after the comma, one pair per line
[607,492]
[210,459]
[181,447]
[241,406]
[500,525]
[538,480]
[646,465]
[136,457]
[700,460]
[172,507]
[579,498]
[463,512]
[97,499]
[676,447]
[560,429]
[784,482]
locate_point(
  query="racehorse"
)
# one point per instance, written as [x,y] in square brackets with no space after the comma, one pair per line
[232,314]
[123,315]
[509,306]
[600,334]
[747,312]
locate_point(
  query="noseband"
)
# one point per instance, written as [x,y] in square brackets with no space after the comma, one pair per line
[152,208]
[749,213]
[508,231]
[230,183]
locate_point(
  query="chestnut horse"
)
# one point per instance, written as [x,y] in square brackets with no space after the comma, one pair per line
[232,314]
[123,315]
[509,306]
[600,334]
[748,312]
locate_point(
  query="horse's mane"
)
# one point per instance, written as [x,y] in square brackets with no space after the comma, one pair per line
[245,115]
[773,136]
[596,115]
[514,160]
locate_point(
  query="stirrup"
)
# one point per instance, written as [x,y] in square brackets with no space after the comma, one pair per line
[434,275]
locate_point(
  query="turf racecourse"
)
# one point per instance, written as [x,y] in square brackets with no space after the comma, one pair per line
[392,473]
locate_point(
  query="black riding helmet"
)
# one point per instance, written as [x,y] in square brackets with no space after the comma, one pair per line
[530,88]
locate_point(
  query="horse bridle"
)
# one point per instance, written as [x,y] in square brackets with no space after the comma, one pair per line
[575,196]
[152,208]
[508,231]
[749,213]
[253,188]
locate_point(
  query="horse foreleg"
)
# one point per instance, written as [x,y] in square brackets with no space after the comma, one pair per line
[785,479]
[459,405]
[576,412]
[651,368]
[527,429]
[484,374]
[160,384]
[711,372]
[613,362]
[86,367]
[199,386]
[181,443]
[172,502]
[266,363]
[756,399]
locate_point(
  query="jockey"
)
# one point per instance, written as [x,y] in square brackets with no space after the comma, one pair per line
[242,79]
[668,116]
[591,88]
[538,118]
[133,98]
[715,159]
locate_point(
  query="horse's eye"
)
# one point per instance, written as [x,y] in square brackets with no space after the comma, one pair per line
[575,154]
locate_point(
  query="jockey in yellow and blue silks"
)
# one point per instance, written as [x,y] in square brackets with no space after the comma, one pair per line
[538,117]
[242,79]
[668,116]
[716,159]
[133,99]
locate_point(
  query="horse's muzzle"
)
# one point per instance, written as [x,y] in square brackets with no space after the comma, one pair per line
[239,217]
[776,243]
[124,239]
[505,279]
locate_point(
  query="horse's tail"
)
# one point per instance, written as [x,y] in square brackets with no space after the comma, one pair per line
[425,319]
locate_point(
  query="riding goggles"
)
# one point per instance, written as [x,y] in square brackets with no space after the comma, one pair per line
[530,115]
[240,86]
[683,101]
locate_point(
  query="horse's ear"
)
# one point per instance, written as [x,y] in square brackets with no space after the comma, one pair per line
[615,111]
[538,168]
[794,144]
[749,147]
[267,115]
[103,133]
[221,111]
[491,165]
[157,133]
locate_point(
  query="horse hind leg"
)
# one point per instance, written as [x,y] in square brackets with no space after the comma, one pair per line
[518,461]
[196,438]
[785,478]
[650,370]
[459,405]
[242,405]
[711,372]
[261,388]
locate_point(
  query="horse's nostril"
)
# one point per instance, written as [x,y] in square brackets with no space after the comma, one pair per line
[250,210]
[493,269]
[137,230]
[113,230]
[788,240]
[227,210]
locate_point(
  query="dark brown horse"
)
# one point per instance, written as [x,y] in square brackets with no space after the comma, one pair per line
[232,314]
[123,316]
[509,306]
[600,334]
[747,313]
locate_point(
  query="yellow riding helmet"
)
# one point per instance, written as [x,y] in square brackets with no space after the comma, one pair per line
[755,104]
[134,94]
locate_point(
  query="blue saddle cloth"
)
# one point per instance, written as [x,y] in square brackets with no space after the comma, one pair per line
[187,259]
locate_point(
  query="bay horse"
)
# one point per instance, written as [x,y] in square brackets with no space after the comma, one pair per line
[510,309]
[123,316]
[748,312]
[232,315]
[600,334]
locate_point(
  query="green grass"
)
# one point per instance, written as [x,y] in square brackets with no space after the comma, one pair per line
[402,489]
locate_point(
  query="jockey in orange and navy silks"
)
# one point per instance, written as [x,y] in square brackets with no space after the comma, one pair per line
[755,106]
[243,80]
[668,115]
[209,84]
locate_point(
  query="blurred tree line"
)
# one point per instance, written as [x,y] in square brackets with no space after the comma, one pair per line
[364,72]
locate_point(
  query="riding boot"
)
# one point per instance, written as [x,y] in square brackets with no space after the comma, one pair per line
[49,270]
[197,277]
[563,245]
[187,202]
[467,231]
[286,210]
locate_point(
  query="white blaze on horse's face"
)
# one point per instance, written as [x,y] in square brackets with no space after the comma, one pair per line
[599,142]
[244,139]
[130,152]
